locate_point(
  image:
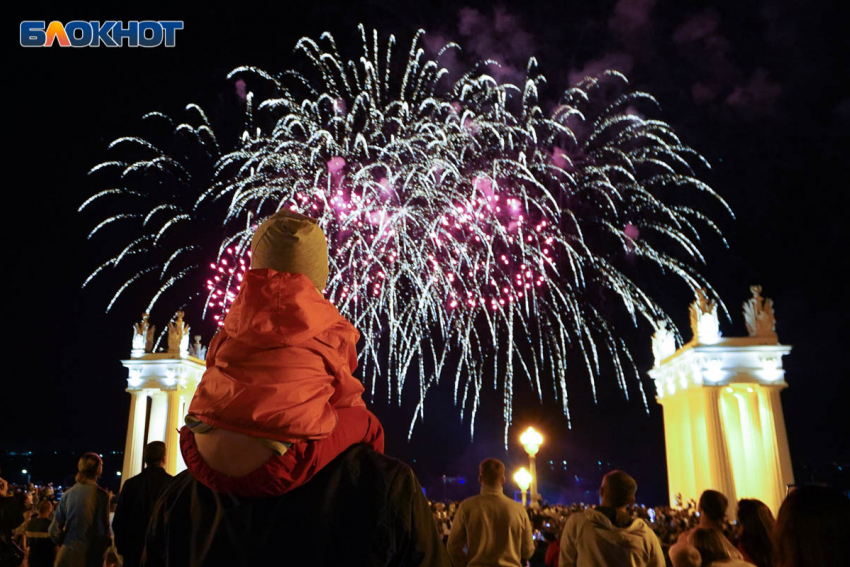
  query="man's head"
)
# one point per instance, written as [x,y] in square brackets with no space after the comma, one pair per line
[712,505]
[294,244]
[617,490]
[45,508]
[491,473]
[89,468]
[155,454]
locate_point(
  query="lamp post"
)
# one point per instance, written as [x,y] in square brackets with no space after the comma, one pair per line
[523,479]
[531,441]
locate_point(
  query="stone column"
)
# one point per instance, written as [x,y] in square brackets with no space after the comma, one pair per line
[172,424]
[720,465]
[753,434]
[776,428]
[156,428]
[781,436]
[135,435]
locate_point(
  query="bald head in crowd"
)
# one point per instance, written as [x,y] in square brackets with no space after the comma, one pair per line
[491,473]
[617,490]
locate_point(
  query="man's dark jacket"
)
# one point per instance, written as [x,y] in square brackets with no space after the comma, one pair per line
[362,509]
[135,506]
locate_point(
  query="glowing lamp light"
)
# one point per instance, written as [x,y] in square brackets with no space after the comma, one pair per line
[531,441]
[24,471]
[117,473]
[522,478]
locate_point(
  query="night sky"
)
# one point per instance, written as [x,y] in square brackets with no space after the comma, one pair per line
[756,87]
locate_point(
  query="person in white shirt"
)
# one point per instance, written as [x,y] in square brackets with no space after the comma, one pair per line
[494,529]
[607,536]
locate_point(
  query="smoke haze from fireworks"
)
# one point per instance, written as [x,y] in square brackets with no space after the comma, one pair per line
[469,228]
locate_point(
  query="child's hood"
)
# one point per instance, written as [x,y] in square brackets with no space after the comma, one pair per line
[275,309]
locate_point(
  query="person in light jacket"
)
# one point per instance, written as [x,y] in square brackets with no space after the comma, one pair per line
[80,524]
[607,536]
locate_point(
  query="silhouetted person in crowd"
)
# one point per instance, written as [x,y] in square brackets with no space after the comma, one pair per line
[42,550]
[361,509]
[607,536]
[712,516]
[813,528]
[494,529]
[11,516]
[81,521]
[11,513]
[553,551]
[755,533]
[712,547]
[136,502]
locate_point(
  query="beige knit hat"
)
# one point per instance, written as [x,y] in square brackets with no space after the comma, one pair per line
[292,243]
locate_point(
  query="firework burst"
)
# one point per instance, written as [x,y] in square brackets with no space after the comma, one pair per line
[468,227]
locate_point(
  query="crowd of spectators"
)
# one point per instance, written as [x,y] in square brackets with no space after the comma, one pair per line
[810,523]
[33,523]
[548,520]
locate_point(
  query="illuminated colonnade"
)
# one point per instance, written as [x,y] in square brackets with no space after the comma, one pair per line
[168,379]
[723,423]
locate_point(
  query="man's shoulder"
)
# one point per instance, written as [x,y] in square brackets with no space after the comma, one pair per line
[513,504]
[132,483]
[149,473]
[576,519]
[360,464]
[499,497]
[38,524]
[159,475]
[363,464]
[474,500]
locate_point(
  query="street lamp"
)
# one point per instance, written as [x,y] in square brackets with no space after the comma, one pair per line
[523,479]
[531,441]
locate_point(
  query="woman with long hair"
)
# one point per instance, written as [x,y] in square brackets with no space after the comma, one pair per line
[713,550]
[81,521]
[755,533]
[813,528]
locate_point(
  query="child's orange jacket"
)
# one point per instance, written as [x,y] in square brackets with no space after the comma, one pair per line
[281,365]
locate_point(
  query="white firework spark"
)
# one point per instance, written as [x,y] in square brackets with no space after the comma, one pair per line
[468,228]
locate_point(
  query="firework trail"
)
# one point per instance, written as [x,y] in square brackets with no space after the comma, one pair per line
[469,229]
